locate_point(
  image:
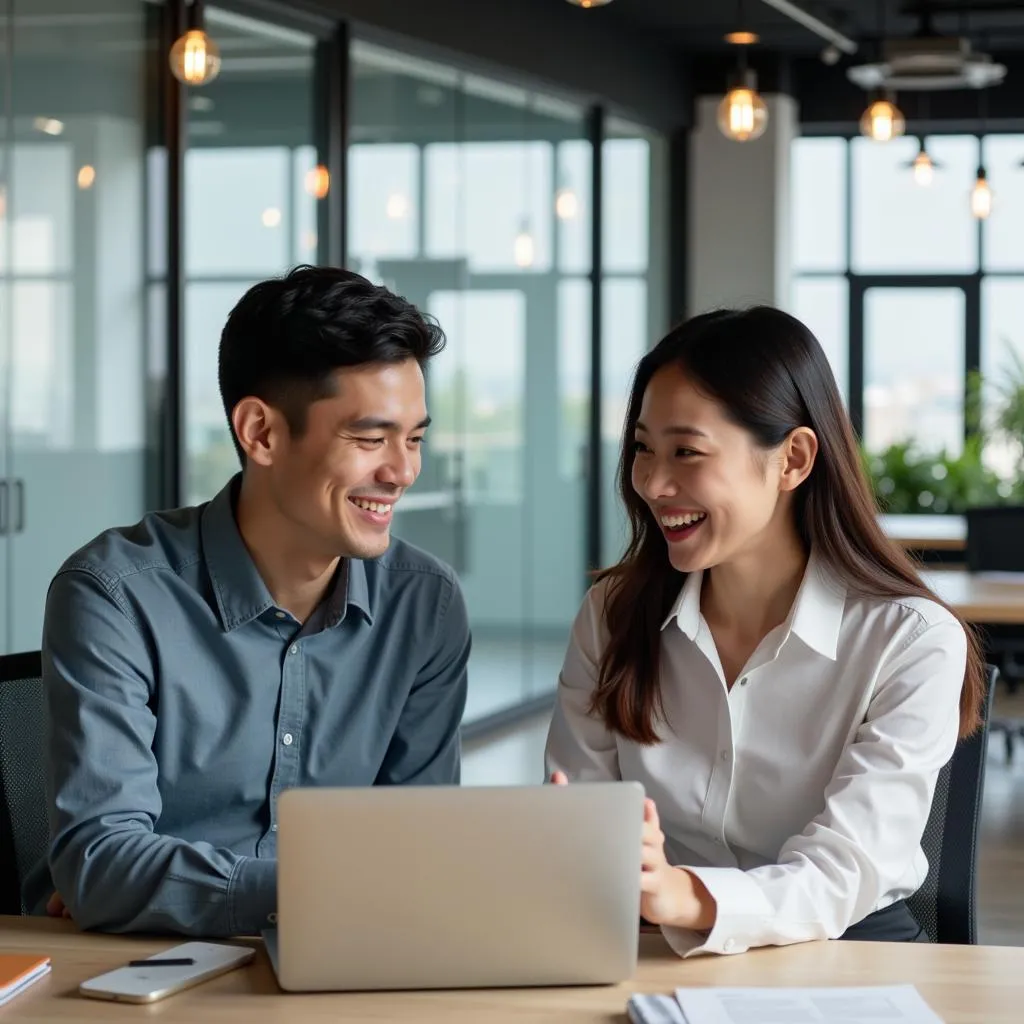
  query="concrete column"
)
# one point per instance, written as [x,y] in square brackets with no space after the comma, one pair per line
[739,210]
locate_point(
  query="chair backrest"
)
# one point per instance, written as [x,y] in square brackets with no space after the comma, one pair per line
[995,538]
[24,832]
[945,905]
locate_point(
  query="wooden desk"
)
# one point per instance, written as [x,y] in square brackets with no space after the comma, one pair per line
[987,598]
[926,533]
[962,983]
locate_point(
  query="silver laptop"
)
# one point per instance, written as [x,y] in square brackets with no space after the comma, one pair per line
[447,887]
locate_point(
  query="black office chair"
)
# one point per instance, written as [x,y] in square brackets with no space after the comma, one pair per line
[995,543]
[945,905]
[995,538]
[24,832]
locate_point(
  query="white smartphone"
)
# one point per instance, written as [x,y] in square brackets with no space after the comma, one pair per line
[164,974]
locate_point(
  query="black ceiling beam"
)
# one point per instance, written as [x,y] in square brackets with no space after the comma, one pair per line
[958,7]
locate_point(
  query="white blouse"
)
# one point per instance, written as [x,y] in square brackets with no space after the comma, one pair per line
[799,797]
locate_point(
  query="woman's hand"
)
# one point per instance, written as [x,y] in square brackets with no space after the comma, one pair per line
[668,895]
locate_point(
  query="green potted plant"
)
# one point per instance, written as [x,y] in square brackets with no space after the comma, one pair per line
[1009,419]
[908,480]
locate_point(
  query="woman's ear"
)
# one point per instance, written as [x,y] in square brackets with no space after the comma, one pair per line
[799,451]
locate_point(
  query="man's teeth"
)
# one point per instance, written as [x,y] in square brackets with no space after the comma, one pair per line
[674,522]
[372,506]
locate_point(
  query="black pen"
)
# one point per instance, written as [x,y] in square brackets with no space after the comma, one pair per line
[181,961]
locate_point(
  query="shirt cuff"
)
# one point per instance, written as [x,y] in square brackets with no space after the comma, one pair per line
[741,913]
[253,896]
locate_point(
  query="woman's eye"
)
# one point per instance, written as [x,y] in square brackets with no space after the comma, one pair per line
[639,446]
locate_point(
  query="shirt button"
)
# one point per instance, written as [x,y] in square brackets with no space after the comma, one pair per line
[729,945]
[718,842]
[272,918]
[280,615]
[286,739]
[273,828]
[743,681]
[294,649]
[725,755]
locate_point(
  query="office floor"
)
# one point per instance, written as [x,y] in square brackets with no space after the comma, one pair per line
[517,757]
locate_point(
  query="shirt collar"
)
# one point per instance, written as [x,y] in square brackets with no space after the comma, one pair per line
[817,613]
[686,609]
[238,588]
[816,616]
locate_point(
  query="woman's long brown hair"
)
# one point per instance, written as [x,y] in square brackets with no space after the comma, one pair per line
[771,376]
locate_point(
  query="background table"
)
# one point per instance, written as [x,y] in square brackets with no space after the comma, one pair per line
[981,597]
[926,533]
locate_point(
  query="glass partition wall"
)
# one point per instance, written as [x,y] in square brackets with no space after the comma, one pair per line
[470,197]
[250,207]
[76,446]
[134,212]
[473,198]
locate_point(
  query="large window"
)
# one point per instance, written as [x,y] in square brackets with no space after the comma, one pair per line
[820,292]
[907,291]
[900,226]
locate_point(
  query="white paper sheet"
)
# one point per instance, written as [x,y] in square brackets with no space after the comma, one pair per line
[890,1004]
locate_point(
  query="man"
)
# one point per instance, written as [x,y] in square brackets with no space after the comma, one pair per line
[198,663]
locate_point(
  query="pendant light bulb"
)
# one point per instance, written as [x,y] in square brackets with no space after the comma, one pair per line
[397,206]
[195,57]
[567,204]
[981,196]
[742,114]
[882,121]
[924,167]
[318,181]
[522,248]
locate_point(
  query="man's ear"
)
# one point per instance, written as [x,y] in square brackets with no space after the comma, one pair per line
[260,428]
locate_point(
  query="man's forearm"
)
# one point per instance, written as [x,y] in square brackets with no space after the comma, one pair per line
[135,880]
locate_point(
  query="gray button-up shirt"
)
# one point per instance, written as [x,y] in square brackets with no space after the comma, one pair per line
[181,702]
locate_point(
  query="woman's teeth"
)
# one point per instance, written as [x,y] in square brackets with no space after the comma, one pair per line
[675,522]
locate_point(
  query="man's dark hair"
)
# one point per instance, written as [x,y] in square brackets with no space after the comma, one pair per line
[285,338]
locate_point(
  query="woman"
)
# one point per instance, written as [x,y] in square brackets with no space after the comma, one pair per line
[763,659]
